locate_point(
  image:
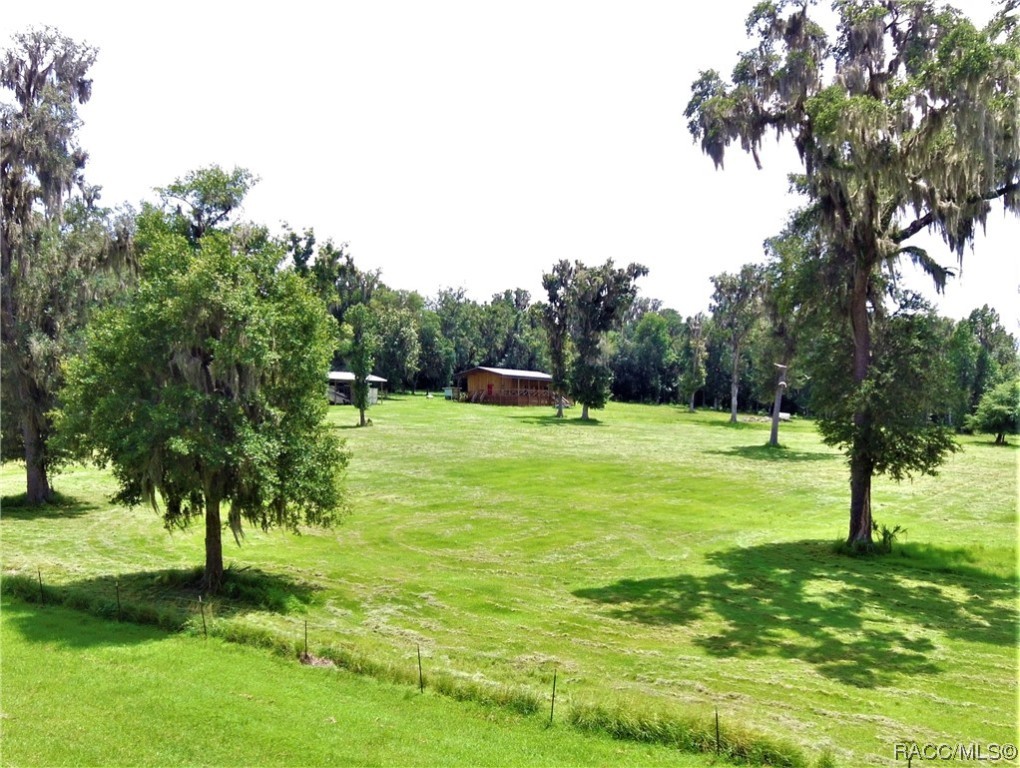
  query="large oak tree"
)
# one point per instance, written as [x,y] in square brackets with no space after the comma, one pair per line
[907,120]
[204,389]
[57,246]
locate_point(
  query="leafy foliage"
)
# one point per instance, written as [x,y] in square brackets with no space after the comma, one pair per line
[645,361]
[458,322]
[998,413]
[437,353]
[209,195]
[907,385]
[399,351]
[205,387]
[916,128]
[585,303]
[736,311]
[360,347]
[556,321]
[693,357]
[58,249]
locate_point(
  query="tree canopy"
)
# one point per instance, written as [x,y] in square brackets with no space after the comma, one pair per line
[998,412]
[585,303]
[205,388]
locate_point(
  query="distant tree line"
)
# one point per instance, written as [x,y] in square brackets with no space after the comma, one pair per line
[653,354]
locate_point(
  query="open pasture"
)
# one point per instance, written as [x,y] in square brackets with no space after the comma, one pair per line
[653,559]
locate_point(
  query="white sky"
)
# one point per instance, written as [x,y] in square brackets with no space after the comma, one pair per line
[458,143]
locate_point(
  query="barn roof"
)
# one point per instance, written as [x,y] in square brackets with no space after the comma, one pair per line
[511,373]
[348,378]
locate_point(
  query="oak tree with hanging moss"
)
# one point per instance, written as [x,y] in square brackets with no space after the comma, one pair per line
[60,253]
[204,389]
[907,120]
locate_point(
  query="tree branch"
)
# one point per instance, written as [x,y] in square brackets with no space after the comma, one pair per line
[929,218]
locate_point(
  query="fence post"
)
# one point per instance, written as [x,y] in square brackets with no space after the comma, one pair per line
[201,607]
[421,677]
[42,597]
[718,741]
[552,707]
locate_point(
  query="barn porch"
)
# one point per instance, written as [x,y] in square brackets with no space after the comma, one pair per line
[506,386]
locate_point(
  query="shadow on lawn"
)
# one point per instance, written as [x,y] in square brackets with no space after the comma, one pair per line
[862,621]
[767,453]
[552,420]
[169,599]
[41,624]
[745,422]
[16,507]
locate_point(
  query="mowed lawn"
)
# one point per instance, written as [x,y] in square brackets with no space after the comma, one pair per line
[652,558]
[82,691]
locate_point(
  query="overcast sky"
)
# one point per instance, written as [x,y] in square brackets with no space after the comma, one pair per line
[464,144]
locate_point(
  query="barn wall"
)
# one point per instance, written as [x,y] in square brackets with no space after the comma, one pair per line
[507,390]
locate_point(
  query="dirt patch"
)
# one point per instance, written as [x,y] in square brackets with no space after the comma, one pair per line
[315,661]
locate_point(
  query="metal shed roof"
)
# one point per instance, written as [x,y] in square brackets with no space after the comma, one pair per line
[348,378]
[511,373]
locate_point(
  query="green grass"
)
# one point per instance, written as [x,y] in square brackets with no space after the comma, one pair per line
[79,691]
[656,560]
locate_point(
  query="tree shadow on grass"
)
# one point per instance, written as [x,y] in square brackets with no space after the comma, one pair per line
[862,621]
[16,507]
[990,443]
[767,452]
[747,422]
[45,625]
[169,599]
[552,420]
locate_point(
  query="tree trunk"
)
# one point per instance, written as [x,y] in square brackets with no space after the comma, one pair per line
[861,466]
[860,504]
[362,412]
[734,385]
[777,406]
[37,480]
[559,406]
[213,578]
[691,406]
[584,411]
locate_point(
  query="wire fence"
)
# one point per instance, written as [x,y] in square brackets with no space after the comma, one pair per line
[170,610]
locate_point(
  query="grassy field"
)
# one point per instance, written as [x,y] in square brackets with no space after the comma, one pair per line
[80,691]
[653,559]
